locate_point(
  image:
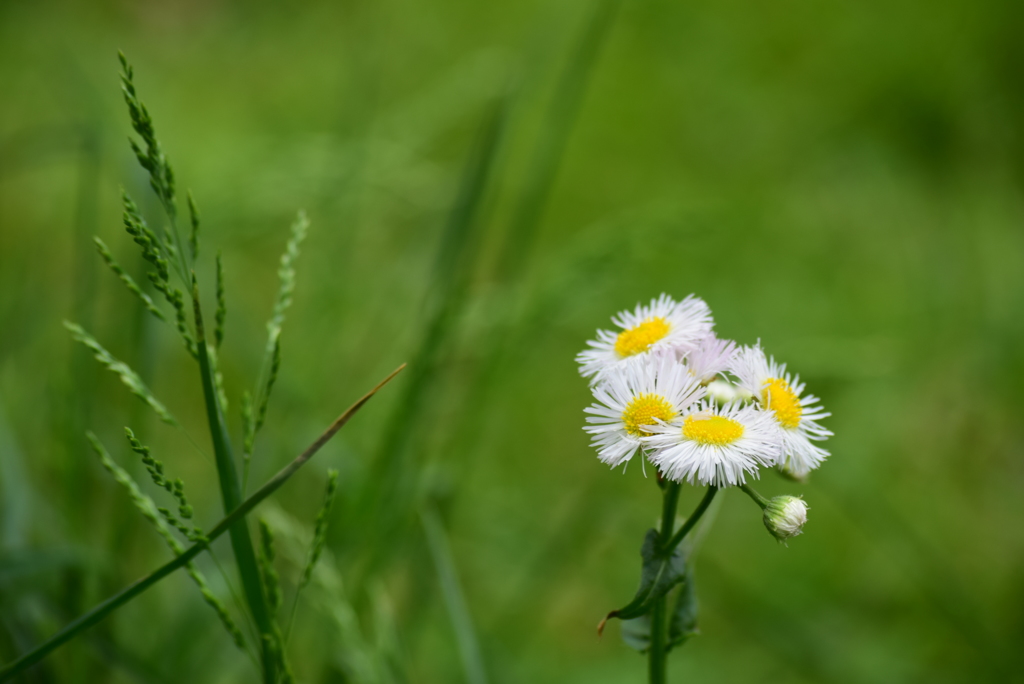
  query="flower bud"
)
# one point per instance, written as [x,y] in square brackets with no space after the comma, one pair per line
[721,391]
[787,471]
[784,516]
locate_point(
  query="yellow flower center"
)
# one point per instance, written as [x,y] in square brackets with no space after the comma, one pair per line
[640,338]
[712,430]
[643,410]
[780,397]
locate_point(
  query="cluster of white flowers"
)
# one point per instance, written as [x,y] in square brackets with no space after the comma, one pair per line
[700,408]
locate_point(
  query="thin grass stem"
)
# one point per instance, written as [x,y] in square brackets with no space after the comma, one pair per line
[454,600]
[231,495]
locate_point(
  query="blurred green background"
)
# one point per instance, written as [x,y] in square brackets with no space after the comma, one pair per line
[487,184]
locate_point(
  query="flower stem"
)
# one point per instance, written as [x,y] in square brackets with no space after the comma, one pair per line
[657,652]
[758,499]
[692,520]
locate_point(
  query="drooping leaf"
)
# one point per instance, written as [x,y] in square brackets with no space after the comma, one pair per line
[683,618]
[658,574]
[637,633]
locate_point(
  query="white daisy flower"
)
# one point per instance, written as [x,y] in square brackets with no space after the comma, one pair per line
[662,324]
[715,445]
[710,357]
[632,398]
[779,393]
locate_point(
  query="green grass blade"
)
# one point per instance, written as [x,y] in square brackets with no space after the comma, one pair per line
[455,259]
[554,137]
[231,496]
[454,600]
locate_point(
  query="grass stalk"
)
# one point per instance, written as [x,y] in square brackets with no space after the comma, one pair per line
[521,234]
[231,495]
[104,609]
[454,600]
[455,259]
[554,136]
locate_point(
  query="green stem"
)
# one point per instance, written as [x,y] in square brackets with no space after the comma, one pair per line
[113,603]
[692,520]
[758,499]
[668,509]
[658,653]
[231,495]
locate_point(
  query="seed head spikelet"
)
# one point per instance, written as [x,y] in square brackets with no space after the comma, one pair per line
[218,377]
[176,298]
[271,580]
[175,488]
[145,505]
[320,533]
[161,176]
[153,250]
[222,306]
[248,425]
[273,642]
[128,281]
[131,380]
[275,366]
[193,236]
[255,413]
[159,254]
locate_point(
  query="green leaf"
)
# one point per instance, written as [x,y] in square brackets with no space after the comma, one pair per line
[683,619]
[658,574]
[637,633]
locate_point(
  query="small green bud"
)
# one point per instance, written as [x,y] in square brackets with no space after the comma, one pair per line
[185,511]
[784,516]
